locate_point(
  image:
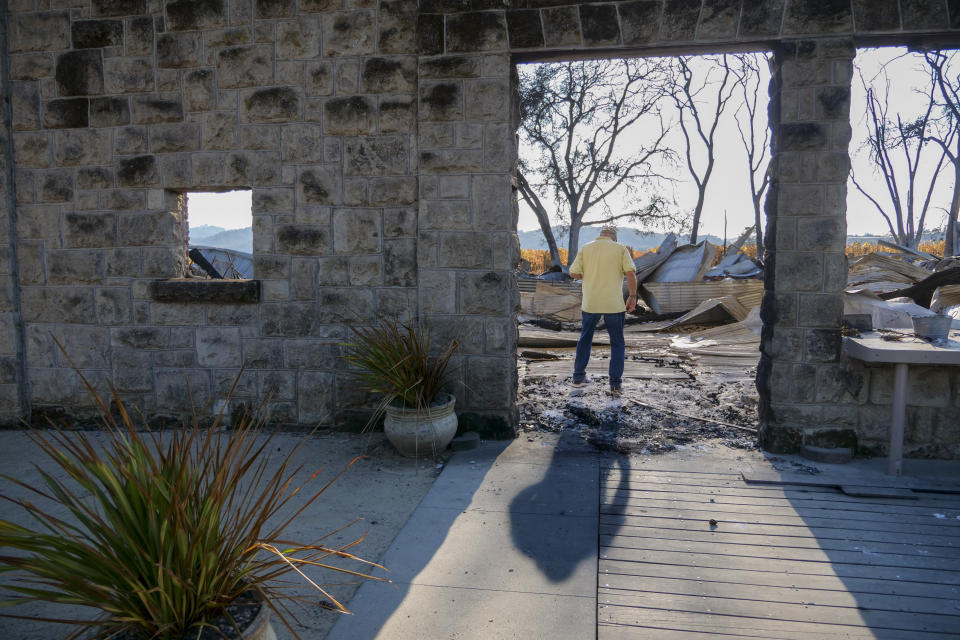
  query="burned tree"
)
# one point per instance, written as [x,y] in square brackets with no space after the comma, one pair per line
[701,96]
[584,126]
[946,78]
[755,143]
[899,148]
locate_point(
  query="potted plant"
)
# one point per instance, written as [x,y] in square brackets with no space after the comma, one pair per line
[400,361]
[169,536]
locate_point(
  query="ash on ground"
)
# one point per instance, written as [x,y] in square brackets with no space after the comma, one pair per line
[652,416]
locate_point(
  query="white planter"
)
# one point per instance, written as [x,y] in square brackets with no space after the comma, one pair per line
[425,432]
[260,628]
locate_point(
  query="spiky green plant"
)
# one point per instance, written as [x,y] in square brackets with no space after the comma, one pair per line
[165,530]
[393,358]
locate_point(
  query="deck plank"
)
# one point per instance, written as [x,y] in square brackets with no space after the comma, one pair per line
[783,561]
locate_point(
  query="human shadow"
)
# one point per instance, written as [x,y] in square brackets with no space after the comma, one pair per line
[555,522]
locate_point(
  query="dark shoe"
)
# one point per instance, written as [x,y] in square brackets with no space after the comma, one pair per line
[580,384]
[616,392]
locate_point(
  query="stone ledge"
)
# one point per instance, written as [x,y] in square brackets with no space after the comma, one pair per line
[197,290]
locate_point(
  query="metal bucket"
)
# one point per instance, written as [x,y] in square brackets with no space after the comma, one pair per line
[932,327]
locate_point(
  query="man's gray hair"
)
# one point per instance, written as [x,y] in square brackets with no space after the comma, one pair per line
[609,230]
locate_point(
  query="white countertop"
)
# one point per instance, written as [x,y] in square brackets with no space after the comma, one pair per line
[871,347]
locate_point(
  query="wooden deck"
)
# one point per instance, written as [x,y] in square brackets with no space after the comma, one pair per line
[783,561]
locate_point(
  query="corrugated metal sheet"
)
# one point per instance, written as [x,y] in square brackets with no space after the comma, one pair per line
[679,297]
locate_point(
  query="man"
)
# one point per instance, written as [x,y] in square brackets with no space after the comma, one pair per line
[602,264]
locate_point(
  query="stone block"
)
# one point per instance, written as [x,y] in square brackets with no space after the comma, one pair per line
[271,266]
[500,151]
[38,221]
[309,354]
[279,385]
[452,66]
[365,271]
[490,382]
[123,199]
[719,20]
[140,337]
[219,131]
[822,345]
[354,115]
[465,250]
[90,230]
[68,113]
[303,279]
[110,8]
[299,40]
[487,99]
[274,201]
[109,112]
[817,17]
[319,186]
[500,336]
[784,344]
[441,101]
[396,74]
[396,20]
[438,290]
[345,306]
[46,31]
[269,9]
[763,19]
[168,138]
[30,262]
[432,136]
[218,347]
[451,161]
[140,36]
[277,104]
[375,156]
[679,20]
[493,203]
[307,240]
[56,387]
[288,319]
[845,383]
[31,66]
[486,293]
[400,262]
[67,266]
[319,78]
[348,33]
[829,455]
[444,214]
[130,140]
[253,168]
[356,231]
[524,29]
[398,223]
[113,305]
[561,26]
[315,397]
[182,390]
[820,310]
[146,229]
[429,34]
[83,147]
[154,110]
[180,50]
[798,271]
[393,191]
[924,15]
[89,34]
[599,24]
[56,186]
[200,90]
[190,15]
[139,171]
[454,187]
[33,149]
[58,304]
[476,31]
[469,135]
[246,66]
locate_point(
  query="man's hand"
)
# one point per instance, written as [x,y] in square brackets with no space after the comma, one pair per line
[631,303]
[576,276]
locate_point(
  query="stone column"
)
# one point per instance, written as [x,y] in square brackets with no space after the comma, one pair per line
[12,394]
[467,243]
[806,234]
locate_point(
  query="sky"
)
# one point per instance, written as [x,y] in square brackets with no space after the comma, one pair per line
[228,210]
[728,191]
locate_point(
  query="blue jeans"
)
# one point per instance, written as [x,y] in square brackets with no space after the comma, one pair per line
[614,323]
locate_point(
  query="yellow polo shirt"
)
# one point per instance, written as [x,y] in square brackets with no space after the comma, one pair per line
[603,263]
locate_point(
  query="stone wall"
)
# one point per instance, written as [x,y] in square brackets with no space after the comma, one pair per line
[378,138]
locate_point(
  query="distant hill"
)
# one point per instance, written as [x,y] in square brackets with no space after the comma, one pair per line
[638,240]
[233,239]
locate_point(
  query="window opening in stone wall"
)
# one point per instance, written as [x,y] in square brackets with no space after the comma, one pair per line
[903,191]
[220,233]
[672,151]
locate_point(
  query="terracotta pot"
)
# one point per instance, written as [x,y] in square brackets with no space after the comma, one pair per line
[424,432]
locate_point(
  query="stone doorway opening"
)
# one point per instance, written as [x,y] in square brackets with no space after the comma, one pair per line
[701,400]
[219,228]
